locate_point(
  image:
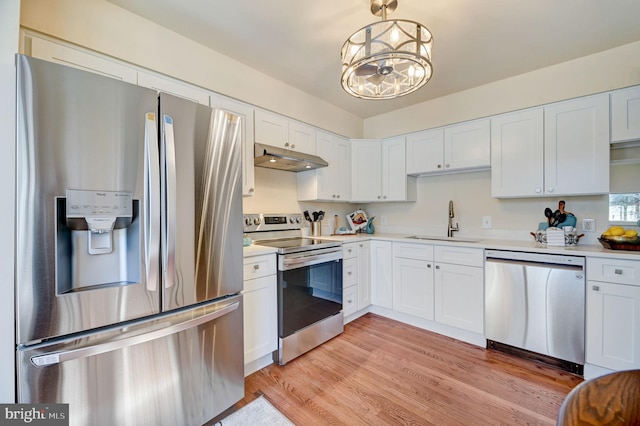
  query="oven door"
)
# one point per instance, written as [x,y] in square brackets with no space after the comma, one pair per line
[309,288]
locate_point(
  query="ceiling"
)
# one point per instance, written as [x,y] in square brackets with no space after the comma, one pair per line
[475,41]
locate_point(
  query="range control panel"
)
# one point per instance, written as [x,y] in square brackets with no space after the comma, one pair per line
[271,222]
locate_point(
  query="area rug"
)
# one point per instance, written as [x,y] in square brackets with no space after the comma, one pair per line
[257,412]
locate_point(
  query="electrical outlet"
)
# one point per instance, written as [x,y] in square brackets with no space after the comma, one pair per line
[486,222]
[383,220]
[589,225]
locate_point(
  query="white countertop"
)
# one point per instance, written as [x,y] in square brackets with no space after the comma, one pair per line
[488,243]
[592,250]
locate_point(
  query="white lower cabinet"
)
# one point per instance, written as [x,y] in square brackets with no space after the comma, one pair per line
[356,293]
[613,313]
[459,296]
[444,284]
[459,287]
[381,274]
[413,279]
[260,311]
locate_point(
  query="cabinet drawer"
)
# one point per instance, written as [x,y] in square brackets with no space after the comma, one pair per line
[349,272]
[349,300]
[459,255]
[349,250]
[413,251]
[259,266]
[613,270]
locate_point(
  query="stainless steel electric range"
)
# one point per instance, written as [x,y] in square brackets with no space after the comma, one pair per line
[309,282]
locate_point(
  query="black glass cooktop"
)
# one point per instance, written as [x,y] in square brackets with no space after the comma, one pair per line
[292,245]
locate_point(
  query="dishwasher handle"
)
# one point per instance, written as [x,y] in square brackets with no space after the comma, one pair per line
[535,259]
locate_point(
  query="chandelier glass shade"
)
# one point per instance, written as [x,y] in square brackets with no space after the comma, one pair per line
[387,59]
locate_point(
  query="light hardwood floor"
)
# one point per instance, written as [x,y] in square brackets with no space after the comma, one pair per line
[381,371]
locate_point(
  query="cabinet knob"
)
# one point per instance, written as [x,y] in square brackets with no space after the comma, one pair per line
[538,190]
[349,301]
[428,265]
[256,267]
[349,250]
[338,196]
[251,190]
[349,273]
[293,146]
[617,271]
[550,189]
[439,166]
[446,166]
[384,197]
[286,144]
[437,266]
[378,197]
[595,288]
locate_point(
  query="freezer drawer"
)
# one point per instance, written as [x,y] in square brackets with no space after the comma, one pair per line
[181,369]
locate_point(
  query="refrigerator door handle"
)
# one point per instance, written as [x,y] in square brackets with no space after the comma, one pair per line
[52,358]
[152,191]
[170,231]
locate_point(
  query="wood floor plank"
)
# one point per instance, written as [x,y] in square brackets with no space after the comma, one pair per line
[383,372]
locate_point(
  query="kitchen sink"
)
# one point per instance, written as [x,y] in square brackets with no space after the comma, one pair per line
[450,239]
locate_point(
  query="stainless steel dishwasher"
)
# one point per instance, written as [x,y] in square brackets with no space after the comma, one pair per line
[535,306]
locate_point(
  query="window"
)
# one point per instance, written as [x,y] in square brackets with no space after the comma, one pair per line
[624,208]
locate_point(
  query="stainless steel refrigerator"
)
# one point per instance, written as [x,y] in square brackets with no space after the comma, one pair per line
[129,251]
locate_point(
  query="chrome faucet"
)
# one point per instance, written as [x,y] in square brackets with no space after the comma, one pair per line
[451,228]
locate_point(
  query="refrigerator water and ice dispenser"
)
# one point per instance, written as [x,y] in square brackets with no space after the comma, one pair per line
[98,244]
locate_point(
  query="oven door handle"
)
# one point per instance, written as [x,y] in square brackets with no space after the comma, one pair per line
[288,263]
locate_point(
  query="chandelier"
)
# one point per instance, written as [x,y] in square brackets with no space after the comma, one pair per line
[386,59]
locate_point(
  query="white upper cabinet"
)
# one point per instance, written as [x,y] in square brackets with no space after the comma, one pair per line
[517,153]
[378,171]
[332,183]
[245,112]
[173,87]
[457,147]
[425,151]
[467,145]
[561,149]
[65,55]
[625,114]
[576,147]
[279,131]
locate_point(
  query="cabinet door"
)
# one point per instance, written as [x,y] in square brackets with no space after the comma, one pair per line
[576,153]
[245,111]
[381,274]
[459,296]
[413,287]
[65,55]
[366,175]
[302,137]
[517,154]
[613,325]
[467,145]
[625,114]
[332,183]
[394,174]
[271,129]
[260,317]
[425,151]
[173,87]
[364,274]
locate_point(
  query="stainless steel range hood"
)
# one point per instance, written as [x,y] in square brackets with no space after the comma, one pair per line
[285,159]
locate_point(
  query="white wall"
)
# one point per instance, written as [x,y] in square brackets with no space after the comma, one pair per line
[608,70]
[111,30]
[9,24]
